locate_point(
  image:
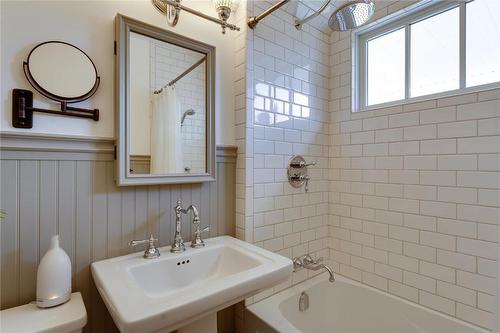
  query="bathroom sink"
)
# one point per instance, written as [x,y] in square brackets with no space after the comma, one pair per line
[167,293]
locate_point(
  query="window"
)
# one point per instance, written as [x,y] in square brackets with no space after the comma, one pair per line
[482,42]
[434,50]
[434,54]
[386,67]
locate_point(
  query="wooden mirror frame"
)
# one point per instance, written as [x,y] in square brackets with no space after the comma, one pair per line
[123,27]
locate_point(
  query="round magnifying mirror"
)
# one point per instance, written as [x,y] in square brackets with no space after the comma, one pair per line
[61,71]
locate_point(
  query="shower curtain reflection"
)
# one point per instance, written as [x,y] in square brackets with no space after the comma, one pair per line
[166,148]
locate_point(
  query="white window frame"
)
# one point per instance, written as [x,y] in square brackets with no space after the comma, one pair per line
[403,19]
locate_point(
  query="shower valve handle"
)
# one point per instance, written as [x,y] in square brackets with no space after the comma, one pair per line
[301,164]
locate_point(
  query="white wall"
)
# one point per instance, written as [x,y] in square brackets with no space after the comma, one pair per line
[90,26]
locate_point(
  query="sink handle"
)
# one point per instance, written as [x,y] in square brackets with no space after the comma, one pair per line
[308,260]
[304,261]
[150,240]
[151,252]
[197,241]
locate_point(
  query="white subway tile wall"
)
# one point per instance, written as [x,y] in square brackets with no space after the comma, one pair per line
[244,165]
[286,114]
[405,199]
[415,193]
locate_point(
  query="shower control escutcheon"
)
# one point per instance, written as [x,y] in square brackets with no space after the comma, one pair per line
[297,172]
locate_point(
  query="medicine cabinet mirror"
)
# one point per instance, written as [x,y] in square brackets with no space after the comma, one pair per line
[165,106]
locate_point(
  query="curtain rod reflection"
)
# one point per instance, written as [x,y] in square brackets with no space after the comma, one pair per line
[186,72]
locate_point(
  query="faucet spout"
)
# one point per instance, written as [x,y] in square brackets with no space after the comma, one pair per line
[320,266]
[178,245]
[193,209]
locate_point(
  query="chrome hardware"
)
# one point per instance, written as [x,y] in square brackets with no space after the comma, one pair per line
[151,252]
[299,22]
[173,13]
[197,241]
[172,9]
[301,164]
[351,15]
[302,179]
[303,302]
[297,172]
[309,263]
[178,245]
[305,260]
[297,263]
[254,20]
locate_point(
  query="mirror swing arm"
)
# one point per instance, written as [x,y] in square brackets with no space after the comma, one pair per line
[22,109]
[22,99]
[23,103]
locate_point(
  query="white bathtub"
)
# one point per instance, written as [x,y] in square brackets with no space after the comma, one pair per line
[346,306]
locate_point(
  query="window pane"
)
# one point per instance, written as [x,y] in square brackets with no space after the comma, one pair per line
[434,62]
[482,46]
[386,68]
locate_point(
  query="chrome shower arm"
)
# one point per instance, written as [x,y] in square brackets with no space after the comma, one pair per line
[299,23]
[254,20]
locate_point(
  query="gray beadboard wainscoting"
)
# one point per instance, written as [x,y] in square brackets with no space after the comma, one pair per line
[59,185]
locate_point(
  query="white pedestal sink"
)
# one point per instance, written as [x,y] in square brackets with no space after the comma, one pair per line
[178,289]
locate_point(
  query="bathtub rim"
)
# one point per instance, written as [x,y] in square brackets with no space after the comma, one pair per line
[273,317]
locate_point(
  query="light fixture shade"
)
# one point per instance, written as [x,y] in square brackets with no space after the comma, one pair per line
[231,4]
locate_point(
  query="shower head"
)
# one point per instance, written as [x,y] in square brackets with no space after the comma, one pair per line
[189,112]
[352,15]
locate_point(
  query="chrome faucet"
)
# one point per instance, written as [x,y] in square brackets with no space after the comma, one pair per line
[197,241]
[309,263]
[178,245]
[151,252]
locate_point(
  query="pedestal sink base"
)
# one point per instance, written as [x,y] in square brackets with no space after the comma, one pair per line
[206,324]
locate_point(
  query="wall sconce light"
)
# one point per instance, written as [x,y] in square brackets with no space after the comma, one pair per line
[172,9]
[224,8]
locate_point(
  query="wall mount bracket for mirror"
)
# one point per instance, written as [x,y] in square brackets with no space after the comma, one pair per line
[61,72]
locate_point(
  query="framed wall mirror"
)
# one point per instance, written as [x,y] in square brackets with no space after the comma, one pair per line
[165,130]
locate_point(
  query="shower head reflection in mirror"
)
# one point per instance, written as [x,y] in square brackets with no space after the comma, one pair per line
[189,112]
